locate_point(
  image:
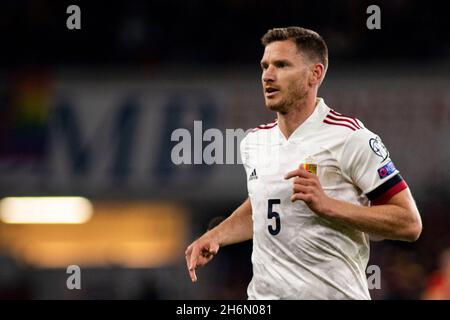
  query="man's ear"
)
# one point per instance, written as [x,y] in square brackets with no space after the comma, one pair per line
[317,74]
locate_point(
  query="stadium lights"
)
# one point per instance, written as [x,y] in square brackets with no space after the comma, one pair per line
[43,210]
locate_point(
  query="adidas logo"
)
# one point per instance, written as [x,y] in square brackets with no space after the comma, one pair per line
[253,175]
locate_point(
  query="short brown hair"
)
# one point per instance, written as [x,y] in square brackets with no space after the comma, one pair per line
[309,42]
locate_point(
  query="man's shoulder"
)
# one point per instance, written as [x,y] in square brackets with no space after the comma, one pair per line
[339,130]
[343,125]
[348,136]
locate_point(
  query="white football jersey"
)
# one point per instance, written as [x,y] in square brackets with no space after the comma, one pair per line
[296,253]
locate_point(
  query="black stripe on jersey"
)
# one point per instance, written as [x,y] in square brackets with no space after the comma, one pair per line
[380,190]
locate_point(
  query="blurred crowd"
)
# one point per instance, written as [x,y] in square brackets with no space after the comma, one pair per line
[199,32]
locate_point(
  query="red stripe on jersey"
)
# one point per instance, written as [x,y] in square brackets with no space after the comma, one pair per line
[267,126]
[339,124]
[346,120]
[355,122]
[396,188]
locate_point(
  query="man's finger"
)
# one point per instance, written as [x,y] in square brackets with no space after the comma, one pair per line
[301,196]
[291,174]
[305,173]
[193,275]
[188,264]
[193,263]
[214,250]
[303,181]
[193,259]
[188,258]
[299,172]
[298,188]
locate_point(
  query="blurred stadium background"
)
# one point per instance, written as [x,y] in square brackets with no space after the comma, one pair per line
[90,113]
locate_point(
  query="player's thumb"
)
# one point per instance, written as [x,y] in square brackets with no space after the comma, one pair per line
[213,248]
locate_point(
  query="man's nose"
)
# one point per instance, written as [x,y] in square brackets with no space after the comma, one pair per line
[268,75]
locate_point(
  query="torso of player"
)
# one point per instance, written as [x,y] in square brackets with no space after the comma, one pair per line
[298,254]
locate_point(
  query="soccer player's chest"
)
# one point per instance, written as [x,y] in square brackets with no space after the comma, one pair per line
[270,193]
[270,163]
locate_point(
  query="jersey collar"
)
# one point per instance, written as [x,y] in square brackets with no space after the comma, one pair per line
[311,123]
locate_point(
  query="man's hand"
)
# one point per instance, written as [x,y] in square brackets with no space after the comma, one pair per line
[199,253]
[397,219]
[306,187]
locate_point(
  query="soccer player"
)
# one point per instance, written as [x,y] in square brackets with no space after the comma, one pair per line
[310,228]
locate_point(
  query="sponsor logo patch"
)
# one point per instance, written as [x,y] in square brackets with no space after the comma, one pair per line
[386,170]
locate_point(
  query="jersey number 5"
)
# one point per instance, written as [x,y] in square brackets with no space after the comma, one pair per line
[272,214]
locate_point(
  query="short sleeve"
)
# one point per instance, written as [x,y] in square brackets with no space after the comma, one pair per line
[366,161]
[244,153]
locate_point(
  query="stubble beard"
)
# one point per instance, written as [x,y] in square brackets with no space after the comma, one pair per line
[295,94]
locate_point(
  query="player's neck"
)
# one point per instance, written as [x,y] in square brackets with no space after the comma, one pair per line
[294,118]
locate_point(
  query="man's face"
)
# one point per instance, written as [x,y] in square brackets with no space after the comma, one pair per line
[284,75]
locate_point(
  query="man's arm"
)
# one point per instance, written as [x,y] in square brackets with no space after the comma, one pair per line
[398,219]
[236,228]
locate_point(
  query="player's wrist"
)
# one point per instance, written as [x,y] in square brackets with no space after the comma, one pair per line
[329,206]
[213,236]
